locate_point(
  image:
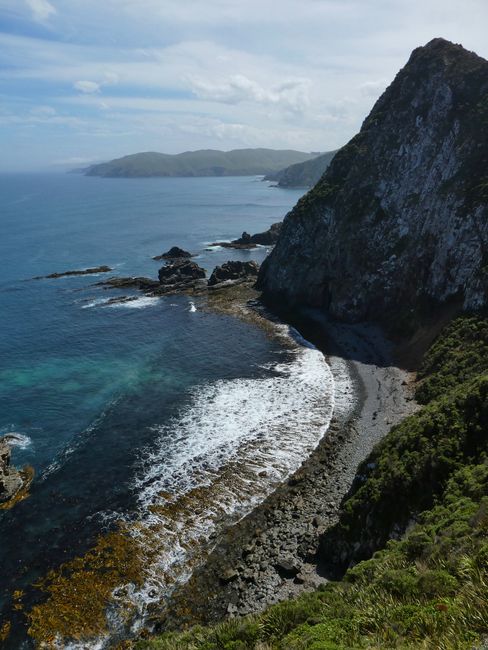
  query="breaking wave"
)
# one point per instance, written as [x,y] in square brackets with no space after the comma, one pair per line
[225,453]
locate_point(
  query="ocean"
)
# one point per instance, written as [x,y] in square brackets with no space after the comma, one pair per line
[156,413]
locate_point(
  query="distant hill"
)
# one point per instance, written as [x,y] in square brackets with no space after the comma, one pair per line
[303,174]
[206,162]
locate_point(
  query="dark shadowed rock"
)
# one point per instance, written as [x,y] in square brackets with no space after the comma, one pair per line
[233,270]
[174,253]
[180,271]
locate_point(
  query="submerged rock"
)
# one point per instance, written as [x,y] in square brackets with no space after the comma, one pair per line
[174,253]
[233,270]
[95,269]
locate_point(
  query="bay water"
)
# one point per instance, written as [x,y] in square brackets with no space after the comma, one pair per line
[115,405]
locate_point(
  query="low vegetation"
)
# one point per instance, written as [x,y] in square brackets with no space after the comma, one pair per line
[427,486]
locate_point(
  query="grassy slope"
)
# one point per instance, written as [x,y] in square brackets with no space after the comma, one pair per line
[208,162]
[428,589]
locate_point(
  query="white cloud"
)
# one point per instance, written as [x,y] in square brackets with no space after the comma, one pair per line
[88,87]
[239,88]
[91,87]
[192,74]
[41,10]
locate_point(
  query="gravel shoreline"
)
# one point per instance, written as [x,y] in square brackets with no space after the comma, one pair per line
[270,555]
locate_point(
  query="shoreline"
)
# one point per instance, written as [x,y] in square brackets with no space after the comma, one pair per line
[270,554]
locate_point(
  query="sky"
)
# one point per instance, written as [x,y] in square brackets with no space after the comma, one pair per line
[83,81]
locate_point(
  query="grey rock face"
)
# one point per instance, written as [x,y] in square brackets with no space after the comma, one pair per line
[400,218]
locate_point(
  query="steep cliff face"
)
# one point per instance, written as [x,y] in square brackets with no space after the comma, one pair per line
[400,218]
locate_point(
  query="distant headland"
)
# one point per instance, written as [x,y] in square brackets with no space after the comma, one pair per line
[205,162]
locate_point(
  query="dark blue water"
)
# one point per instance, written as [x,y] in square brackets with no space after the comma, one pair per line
[88,384]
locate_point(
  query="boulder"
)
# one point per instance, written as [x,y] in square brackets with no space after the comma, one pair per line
[180,271]
[174,253]
[233,270]
[288,567]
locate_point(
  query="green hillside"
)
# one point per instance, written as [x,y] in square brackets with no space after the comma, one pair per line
[206,162]
[303,174]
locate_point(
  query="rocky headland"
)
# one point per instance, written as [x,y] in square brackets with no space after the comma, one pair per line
[398,224]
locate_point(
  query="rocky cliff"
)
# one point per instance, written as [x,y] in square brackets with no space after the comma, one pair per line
[400,218]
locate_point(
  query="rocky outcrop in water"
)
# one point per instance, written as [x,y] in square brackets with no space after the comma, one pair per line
[11,480]
[267,238]
[180,271]
[96,269]
[233,270]
[399,222]
[174,253]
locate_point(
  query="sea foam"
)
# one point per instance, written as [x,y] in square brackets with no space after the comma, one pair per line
[221,456]
[15,439]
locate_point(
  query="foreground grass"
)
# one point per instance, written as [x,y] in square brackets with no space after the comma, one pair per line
[429,588]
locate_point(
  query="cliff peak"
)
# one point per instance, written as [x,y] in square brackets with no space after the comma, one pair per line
[400,218]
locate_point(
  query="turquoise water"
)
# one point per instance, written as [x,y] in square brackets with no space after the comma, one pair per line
[91,387]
